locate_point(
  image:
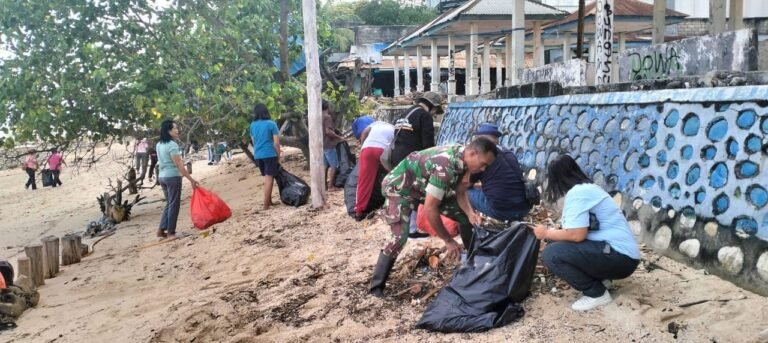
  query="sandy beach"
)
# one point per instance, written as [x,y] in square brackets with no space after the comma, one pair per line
[296,275]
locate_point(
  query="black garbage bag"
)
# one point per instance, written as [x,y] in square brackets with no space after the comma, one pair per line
[6,269]
[486,291]
[347,162]
[47,177]
[293,190]
[350,192]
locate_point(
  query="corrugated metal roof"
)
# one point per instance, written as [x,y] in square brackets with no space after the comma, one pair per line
[623,8]
[505,7]
[482,7]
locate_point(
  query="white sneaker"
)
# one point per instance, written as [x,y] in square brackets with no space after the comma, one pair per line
[587,303]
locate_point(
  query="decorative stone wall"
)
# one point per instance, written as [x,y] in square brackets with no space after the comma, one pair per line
[688,166]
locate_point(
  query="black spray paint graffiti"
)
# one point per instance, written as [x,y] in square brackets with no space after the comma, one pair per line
[605,44]
[451,66]
[654,65]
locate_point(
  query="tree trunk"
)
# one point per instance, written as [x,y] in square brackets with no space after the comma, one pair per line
[314,89]
[284,62]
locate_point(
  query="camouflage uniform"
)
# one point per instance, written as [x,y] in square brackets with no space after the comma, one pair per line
[436,171]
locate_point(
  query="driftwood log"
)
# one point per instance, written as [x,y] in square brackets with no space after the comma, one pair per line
[50,256]
[71,251]
[35,254]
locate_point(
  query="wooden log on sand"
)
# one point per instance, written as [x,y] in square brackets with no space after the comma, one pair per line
[35,254]
[25,267]
[70,250]
[51,256]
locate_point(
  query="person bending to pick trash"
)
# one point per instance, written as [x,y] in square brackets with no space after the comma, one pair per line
[431,177]
[595,244]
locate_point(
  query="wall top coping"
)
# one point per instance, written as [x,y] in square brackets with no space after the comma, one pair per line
[730,94]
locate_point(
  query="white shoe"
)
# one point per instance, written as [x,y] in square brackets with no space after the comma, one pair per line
[587,303]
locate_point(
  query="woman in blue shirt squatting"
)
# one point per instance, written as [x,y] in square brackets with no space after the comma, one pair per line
[595,244]
[266,148]
[171,169]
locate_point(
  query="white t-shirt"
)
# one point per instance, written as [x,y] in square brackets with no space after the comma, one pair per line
[380,136]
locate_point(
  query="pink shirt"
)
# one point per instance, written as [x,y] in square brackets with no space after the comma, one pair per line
[141,147]
[30,162]
[54,162]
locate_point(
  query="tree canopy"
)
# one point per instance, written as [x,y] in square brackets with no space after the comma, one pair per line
[102,70]
[377,12]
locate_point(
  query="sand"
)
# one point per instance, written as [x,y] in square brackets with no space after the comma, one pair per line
[294,275]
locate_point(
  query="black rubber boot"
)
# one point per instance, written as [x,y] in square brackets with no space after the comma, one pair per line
[381,274]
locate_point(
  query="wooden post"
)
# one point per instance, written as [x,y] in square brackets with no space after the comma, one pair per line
[83,250]
[580,32]
[315,122]
[35,254]
[70,250]
[51,256]
[25,267]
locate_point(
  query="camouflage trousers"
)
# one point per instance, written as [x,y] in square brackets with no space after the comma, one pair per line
[397,212]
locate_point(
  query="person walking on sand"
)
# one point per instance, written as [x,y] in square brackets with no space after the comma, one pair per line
[141,157]
[436,177]
[595,244]
[266,149]
[171,170]
[30,166]
[330,139]
[54,163]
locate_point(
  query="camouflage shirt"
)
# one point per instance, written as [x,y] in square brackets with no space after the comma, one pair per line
[434,171]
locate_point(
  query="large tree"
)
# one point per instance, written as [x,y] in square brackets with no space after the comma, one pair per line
[93,71]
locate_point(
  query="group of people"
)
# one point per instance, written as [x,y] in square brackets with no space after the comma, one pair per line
[54,162]
[465,183]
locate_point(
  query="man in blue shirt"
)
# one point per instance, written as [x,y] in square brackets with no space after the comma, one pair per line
[266,148]
[359,125]
[502,193]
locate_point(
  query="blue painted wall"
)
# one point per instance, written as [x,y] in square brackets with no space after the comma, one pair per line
[690,164]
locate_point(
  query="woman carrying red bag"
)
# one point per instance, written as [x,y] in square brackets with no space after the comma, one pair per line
[171,170]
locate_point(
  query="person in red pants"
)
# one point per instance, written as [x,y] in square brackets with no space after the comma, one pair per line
[376,137]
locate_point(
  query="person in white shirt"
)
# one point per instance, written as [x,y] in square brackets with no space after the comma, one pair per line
[375,138]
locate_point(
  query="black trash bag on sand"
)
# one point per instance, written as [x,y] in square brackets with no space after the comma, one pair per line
[347,161]
[47,177]
[486,292]
[293,190]
[350,191]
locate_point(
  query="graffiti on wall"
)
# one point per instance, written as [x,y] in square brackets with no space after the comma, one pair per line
[570,73]
[691,158]
[604,40]
[731,51]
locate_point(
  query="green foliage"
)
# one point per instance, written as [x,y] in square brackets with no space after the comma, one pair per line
[391,12]
[345,103]
[87,70]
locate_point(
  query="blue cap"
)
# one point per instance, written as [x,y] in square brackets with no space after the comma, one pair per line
[488,129]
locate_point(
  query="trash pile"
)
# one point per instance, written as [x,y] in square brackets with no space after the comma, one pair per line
[16,297]
[99,228]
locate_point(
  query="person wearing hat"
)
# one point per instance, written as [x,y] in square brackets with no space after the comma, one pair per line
[360,124]
[501,194]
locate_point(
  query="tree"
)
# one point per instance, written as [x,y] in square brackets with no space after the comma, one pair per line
[391,12]
[85,71]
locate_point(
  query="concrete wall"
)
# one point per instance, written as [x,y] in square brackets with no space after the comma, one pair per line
[691,27]
[732,51]
[380,34]
[570,73]
[688,166]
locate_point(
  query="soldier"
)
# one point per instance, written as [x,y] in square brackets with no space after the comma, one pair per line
[436,177]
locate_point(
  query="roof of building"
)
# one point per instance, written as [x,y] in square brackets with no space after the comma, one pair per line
[622,10]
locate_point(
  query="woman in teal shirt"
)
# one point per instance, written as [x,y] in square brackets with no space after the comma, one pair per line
[266,149]
[171,170]
[595,244]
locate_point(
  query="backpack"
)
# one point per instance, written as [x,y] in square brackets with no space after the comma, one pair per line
[386,156]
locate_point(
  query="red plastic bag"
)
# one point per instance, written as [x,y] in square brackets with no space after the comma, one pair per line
[207,209]
[2,282]
[422,223]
